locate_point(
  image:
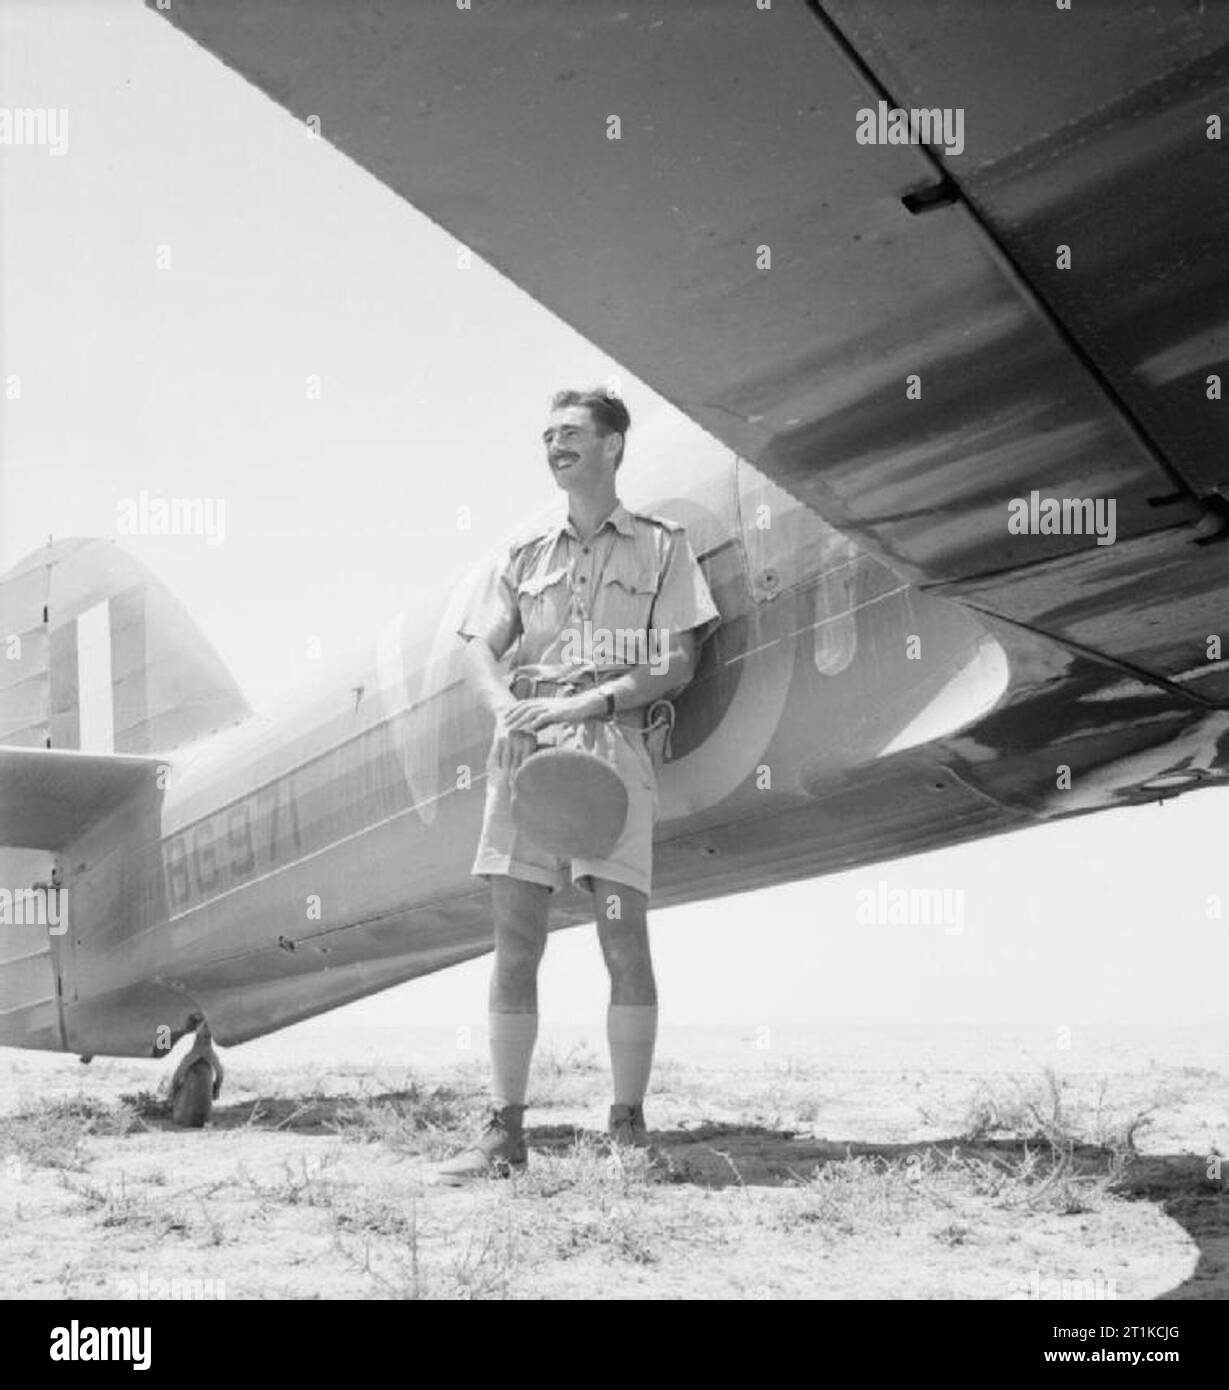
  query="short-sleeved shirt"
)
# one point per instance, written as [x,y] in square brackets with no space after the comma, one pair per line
[595,607]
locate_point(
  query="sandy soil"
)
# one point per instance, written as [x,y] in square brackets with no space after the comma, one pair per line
[775,1177]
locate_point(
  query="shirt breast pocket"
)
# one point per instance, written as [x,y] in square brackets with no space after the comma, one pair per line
[626,599]
[544,601]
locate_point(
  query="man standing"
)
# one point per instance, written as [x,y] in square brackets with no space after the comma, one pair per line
[573,596]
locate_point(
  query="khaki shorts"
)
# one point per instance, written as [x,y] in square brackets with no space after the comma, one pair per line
[503,849]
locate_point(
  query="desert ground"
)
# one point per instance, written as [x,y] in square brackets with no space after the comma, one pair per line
[839,1163]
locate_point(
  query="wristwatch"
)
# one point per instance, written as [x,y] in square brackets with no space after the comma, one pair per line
[610,700]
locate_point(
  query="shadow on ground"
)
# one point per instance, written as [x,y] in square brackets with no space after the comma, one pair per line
[724,1155]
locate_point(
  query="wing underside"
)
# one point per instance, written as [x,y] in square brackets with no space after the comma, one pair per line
[910,338]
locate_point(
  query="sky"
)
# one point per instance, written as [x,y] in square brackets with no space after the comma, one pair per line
[173,285]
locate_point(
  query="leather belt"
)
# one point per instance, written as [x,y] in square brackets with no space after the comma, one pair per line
[527,687]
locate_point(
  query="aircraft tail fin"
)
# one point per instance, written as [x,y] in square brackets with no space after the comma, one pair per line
[97,655]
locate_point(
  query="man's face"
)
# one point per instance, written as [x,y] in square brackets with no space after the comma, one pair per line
[579,457]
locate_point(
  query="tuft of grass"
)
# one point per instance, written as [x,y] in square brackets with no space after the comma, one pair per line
[1091,1144]
[53,1133]
[858,1194]
[148,1105]
[589,1168]
[620,1232]
[1044,1109]
[591,1199]
[119,1207]
[420,1121]
[417,1264]
[114,1204]
[357,1213]
[870,1193]
[307,1183]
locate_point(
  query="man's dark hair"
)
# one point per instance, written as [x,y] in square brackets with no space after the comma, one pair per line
[610,415]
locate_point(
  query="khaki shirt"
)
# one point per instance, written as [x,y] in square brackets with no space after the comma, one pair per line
[601,606]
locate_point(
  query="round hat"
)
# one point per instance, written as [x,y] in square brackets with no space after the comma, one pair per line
[569,802]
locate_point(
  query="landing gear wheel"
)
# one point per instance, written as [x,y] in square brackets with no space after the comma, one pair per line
[197,1082]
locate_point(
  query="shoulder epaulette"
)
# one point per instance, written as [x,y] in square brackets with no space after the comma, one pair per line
[525,541]
[665,522]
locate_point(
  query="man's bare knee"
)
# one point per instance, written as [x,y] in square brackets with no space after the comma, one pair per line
[621,914]
[520,911]
[624,947]
[518,951]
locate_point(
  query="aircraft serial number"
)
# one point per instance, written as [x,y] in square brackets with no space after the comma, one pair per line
[232,845]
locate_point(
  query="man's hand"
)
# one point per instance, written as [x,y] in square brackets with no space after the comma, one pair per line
[519,721]
[512,749]
[530,715]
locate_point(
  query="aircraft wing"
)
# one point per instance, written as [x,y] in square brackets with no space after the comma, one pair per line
[892,332]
